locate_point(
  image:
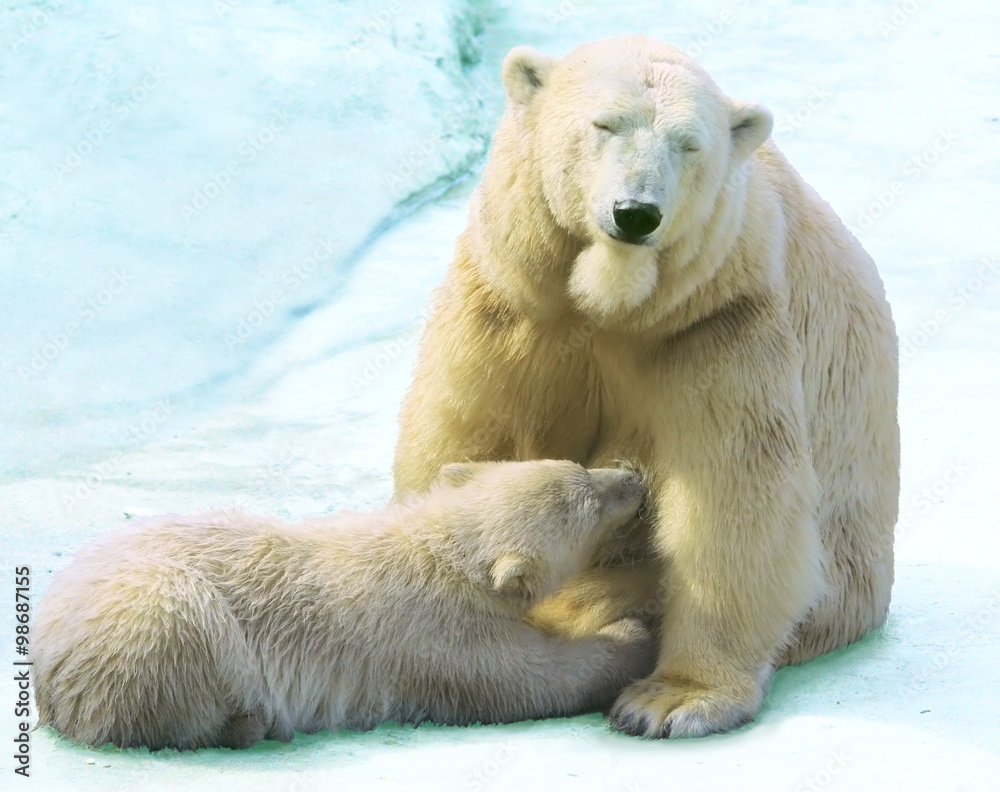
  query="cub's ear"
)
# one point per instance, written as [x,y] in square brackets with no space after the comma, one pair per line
[749,126]
[517,575]
[525,70]
[457,473]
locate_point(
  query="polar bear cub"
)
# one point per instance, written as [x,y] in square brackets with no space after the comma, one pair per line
[228,628]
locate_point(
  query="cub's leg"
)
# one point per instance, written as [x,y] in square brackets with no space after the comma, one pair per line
[521,673]
[136,655]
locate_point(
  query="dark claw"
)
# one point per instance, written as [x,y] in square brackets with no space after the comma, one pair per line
[629,724]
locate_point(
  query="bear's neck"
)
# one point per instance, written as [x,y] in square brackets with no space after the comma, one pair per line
[512,242]
[514,249]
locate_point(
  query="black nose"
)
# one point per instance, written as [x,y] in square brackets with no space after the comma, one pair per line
[635,220]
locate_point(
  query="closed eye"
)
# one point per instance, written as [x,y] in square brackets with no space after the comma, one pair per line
[604,126]
[688,145]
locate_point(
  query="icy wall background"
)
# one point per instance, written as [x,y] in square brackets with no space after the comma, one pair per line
[220,223]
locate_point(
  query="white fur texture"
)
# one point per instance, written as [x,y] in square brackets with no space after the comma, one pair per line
[611,276]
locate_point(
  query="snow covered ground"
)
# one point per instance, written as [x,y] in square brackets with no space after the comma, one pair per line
[212,286]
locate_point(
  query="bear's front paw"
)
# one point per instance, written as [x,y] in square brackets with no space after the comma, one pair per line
[664,706]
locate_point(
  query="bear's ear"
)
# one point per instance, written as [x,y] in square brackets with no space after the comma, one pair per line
[516,575]
[457,473]
[525,70]
[749,126]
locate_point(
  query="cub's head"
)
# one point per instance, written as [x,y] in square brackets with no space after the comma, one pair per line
[522,528]
[635,143]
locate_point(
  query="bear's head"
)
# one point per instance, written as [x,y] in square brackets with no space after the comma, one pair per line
[634,146]
[522,528]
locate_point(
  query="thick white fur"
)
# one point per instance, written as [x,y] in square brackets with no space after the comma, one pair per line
[610,276]
[227,628]
[753,379]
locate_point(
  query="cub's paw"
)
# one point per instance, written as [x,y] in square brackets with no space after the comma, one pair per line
[629,629]
[635,645]
[566,613]
[666,706]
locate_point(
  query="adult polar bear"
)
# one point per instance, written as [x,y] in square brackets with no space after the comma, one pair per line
[645,277]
